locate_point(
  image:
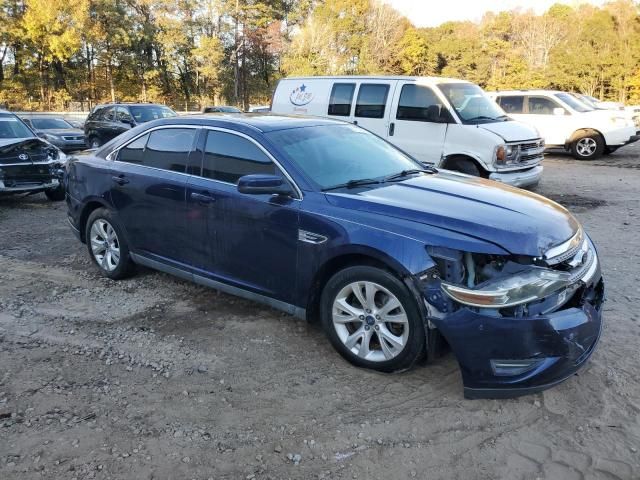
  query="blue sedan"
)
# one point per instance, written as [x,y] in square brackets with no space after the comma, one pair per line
[328,222]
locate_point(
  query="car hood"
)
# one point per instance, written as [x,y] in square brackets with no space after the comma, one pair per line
[8,142]
[63,131]
[518,221]
[35,149]
[511,131]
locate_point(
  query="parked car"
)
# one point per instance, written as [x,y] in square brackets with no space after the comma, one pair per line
[260,109]
[329,222]
[221,109]
[445,122]
[566,122]
[631,113]
[57,131]
[28,164]
[106,122]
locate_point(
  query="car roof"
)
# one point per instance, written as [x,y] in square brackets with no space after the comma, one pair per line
[433,80]
[262,122]
[527,92]
[128,104]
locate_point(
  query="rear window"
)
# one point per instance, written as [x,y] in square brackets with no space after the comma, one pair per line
[341,98]
[372,100]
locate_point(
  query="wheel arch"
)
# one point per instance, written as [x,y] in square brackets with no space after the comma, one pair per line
[449,159]
[87,210]
[578,133]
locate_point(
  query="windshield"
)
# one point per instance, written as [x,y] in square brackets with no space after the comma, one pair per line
[472,104]
[574,103]
[150,112]
[11,127]
[49,123]
[333,155]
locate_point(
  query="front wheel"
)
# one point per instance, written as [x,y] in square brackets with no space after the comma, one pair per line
[588,147]
[107,245]
[372,319]
[94,142]
[464,165]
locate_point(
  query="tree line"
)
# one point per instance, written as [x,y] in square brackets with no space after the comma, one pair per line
[61,54]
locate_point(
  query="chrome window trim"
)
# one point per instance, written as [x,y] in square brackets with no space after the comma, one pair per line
[112,156]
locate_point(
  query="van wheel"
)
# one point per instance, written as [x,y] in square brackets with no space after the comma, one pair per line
[588,146]
[372,319]
[464,165]
[107,246]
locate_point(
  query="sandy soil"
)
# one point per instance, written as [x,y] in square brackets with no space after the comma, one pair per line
[157,378]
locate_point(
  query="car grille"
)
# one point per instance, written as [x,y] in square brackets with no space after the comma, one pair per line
[75,138]
[531,152]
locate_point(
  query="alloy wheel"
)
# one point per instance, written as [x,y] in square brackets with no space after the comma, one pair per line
[586,147]
[370,321]
[105,245]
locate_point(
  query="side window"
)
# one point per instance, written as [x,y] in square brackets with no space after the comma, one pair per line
[228,157]
[372,100]
[169,148]
[134,152]
[512,104]
[123,115]
[542,106]
[108,115]
[341,98]
[420,104]
[96,114]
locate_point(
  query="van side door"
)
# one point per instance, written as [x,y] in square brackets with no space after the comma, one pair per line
[373,102]
[418,122]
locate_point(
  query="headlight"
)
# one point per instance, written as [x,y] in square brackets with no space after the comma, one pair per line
[517,289]
[52,138]
[507,154]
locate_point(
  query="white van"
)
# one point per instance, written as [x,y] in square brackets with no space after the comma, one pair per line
[450,123]
[566,122]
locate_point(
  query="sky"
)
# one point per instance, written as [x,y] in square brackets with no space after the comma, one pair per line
[430,13]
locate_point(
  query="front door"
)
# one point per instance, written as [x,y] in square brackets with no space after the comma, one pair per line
[419,122]
[253,238]
[148,191]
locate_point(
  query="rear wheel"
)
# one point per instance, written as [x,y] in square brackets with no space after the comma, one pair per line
[589,146]
[55,194]
[94,142]
[107,245]
[372,319]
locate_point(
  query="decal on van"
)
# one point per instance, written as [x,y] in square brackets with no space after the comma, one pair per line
[301,96]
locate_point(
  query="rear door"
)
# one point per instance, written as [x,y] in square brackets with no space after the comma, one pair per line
[149,190]
[372,106]
[419,122]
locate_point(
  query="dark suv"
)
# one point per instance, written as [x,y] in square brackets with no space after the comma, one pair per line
[329,222]
[108,121]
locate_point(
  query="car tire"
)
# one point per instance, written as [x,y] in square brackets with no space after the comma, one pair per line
[94,142]
[105,238]
[588,146]
[55,194]
[464,165]
[373,335]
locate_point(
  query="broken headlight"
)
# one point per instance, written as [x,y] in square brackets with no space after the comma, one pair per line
[524,287]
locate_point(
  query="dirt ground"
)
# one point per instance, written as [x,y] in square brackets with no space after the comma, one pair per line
[154,377]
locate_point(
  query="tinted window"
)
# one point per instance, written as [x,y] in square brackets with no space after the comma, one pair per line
[169,148]
[228,157]
[542,106]
[49,123]
[108,114]
[96,114]
[372,100]
[420,104]
[133,153]
[123,115]
[341,98]
[512,104]
[146,113]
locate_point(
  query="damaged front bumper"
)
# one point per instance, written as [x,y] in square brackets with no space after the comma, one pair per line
[502,356]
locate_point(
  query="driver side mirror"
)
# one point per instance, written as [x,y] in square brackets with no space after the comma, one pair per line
[559,111]
[258,184]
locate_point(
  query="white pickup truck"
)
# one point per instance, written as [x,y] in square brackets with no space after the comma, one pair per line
[450,123]
[566,122]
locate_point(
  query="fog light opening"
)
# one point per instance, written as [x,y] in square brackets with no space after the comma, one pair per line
[510,368]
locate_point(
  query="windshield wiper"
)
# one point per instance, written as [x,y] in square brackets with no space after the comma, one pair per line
[354,183]
[480,117]
[413,171]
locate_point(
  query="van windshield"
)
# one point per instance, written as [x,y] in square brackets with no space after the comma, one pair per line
[472,105]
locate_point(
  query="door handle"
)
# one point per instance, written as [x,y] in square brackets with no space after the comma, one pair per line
[202,197]
[355,122]
[120,179]
[392,129]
